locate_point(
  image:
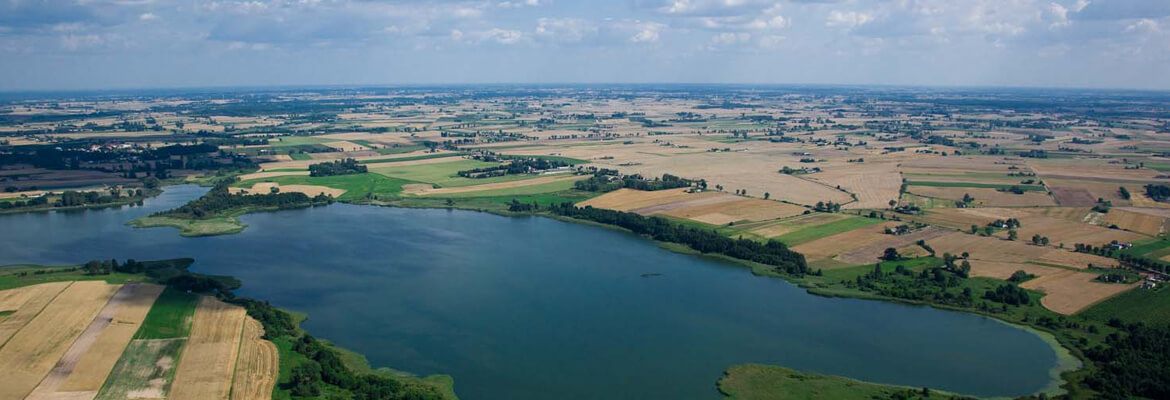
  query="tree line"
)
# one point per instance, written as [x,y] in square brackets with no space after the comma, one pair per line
[771,253]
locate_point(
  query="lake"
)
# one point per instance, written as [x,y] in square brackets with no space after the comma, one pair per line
[535,308]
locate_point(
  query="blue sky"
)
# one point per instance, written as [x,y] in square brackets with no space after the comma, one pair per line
[91,44]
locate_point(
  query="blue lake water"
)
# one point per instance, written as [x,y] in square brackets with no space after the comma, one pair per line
[535,308]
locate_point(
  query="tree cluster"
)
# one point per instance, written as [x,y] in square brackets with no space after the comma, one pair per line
[219,200]
[605,181]
[347,166]
[1132,363]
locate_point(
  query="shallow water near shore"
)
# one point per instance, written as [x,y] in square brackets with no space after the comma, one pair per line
[535,308]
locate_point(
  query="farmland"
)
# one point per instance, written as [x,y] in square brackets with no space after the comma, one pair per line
[1031,203]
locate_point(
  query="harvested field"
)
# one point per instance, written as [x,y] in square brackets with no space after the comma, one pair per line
[869,252]
[1004,270]
[1069,232]
[1068,291]
[1073,197]
[1146,221]
[208,362]
[95,366]
[735,210]
[963,218]
[144,371]
[496,186]
[1000,250]
[986,197]
[27,302]
[84,367]
[630,199]
[714,208]
[33,351]
[257,367]
[794,224]
[308,190]
[831,246]
[874,184]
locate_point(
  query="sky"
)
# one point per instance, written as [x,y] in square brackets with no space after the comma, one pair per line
[100,44]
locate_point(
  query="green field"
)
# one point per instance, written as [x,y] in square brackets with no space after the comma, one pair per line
[763,382]
[444,174]
[15,276]
[825,230]
[401,159]
[516,191]
[1026,188]
[145,366]
[356,186]
[300,156]
[1137,305]
[170,317]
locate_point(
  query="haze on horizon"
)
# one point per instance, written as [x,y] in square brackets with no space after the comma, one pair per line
[99,44]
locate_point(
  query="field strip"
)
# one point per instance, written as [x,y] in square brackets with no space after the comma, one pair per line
[95,365]
[258,365]
[499,185]
[207,364]
[35,350]
[28,303]
[70,361]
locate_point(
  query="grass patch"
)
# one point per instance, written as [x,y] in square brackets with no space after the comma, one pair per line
[445,174]
[825,230]
[760,382]
[15,276]
[300,156]
[550,187]
[224,225]
[1151,306]
[146,367]
[170,317]
[414,158]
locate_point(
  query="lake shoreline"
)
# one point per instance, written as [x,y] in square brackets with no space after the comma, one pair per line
[1063,353]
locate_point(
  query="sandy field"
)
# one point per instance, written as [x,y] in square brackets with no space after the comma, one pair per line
[208,362]
[257,366]
[263,175]
[33,351]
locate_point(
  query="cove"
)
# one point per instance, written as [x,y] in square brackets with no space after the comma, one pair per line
[518,308]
